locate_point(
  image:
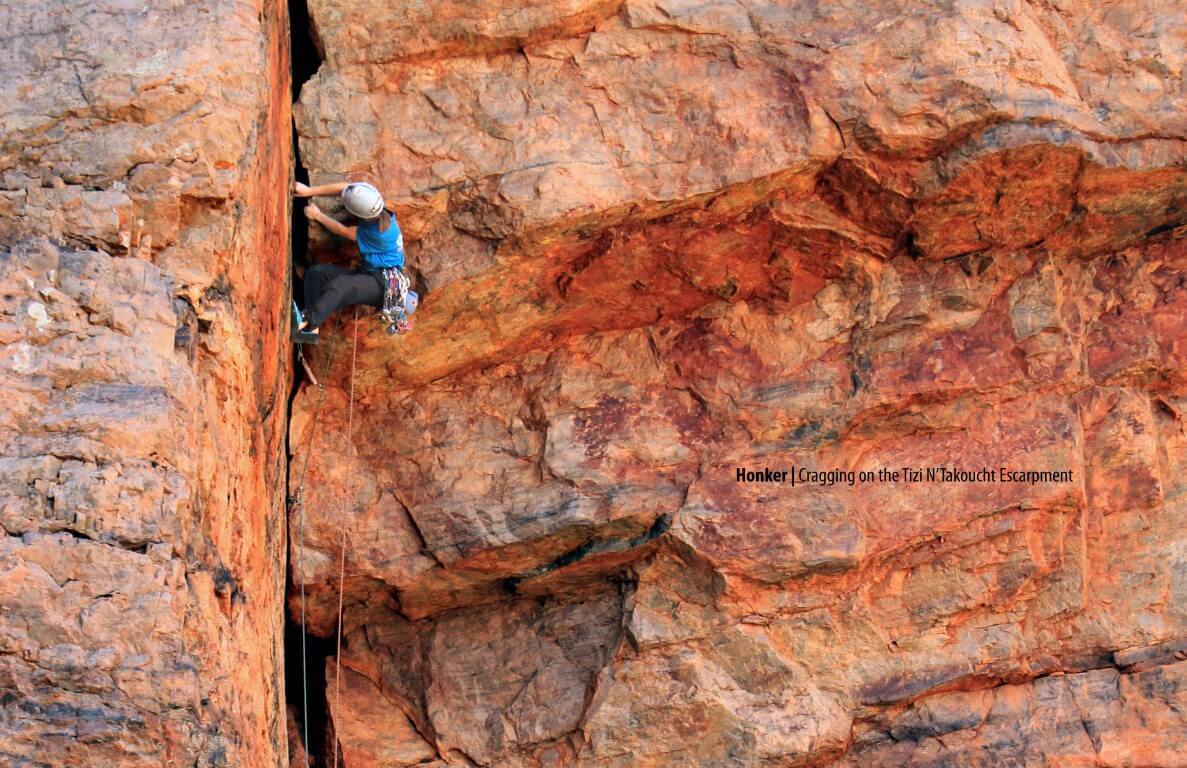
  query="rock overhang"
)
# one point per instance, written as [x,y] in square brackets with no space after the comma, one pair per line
[907,263]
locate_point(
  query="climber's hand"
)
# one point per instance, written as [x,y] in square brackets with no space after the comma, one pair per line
[301,190]
[312,212]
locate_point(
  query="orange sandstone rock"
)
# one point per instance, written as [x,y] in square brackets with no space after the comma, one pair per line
[143,245]
[659,241]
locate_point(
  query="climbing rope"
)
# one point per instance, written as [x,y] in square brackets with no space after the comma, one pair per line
[342,556]
[297,500]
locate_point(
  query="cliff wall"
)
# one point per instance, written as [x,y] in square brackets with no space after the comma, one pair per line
[660,241]
[145,373]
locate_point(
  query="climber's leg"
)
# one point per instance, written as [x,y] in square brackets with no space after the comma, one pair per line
[344,289]
[317,281]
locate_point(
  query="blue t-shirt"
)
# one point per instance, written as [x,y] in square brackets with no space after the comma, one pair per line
[380,250]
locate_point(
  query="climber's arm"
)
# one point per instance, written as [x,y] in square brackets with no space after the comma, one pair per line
[313,213]
[304,190]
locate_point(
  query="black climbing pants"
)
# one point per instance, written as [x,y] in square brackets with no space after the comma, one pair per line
[329,288]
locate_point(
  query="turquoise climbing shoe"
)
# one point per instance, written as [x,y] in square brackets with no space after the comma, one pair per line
[302,335]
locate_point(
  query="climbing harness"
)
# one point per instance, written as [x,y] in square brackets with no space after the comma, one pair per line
[399,301]
[297,501]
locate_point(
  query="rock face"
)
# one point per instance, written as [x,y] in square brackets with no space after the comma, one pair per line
[659,242]
[662,240]
[143,249]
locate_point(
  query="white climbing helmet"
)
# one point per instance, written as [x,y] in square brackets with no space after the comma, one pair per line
[363,200]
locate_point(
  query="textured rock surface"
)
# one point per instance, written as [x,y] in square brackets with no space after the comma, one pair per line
[660,240]
[1102,717]
[143,247]
[589,180]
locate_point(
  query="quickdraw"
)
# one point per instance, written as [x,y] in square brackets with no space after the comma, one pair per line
[399,301]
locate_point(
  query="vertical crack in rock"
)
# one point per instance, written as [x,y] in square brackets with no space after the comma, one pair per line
[317,651]
[305,692]
[306,59]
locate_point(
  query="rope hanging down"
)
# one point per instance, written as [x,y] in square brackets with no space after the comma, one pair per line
[342,556]
[297,500]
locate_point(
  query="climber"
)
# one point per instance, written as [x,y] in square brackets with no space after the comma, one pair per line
[378,282]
